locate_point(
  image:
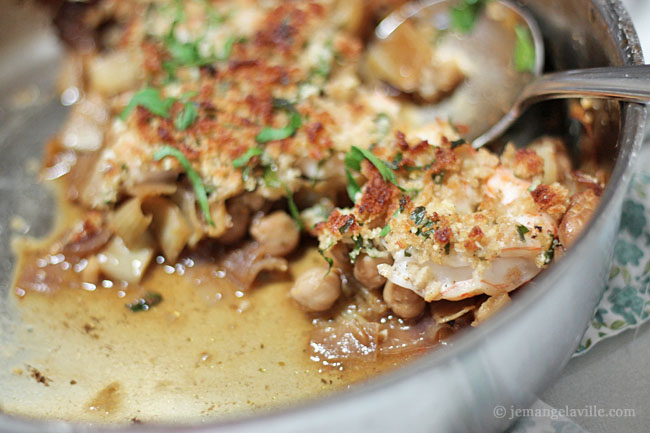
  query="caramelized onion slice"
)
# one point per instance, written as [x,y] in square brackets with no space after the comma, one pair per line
[445,311]
[489,307]
[119,262]
[129,222]
[244,264]
[170,228]
[85,238]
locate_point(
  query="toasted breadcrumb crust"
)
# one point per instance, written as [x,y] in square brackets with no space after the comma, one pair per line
[265,102]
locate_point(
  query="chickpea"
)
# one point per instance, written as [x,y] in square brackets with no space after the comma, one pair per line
[404,302]
[240,216]
[365,271]
[339,253]
[316,290]
[276,233]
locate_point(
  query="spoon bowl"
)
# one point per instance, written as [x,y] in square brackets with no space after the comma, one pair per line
[496,90]
[484,49]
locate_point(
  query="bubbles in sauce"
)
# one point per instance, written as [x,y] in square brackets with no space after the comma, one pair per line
[208,350]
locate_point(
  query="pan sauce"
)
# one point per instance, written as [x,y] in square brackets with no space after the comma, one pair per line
[207,350]
[87,357]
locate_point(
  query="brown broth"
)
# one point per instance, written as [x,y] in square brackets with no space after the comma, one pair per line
[207,350]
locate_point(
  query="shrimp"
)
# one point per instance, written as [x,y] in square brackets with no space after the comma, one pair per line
[523,236]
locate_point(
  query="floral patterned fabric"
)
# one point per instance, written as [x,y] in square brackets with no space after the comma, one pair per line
[626,299]
[625,303]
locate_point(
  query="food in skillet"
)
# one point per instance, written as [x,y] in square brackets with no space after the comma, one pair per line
[248,126]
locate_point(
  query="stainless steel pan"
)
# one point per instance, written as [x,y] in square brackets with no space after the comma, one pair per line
[506,362]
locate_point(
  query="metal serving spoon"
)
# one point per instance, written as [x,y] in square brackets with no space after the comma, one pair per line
[494,93]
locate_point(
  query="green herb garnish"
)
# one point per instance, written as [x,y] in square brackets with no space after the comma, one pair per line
[150,99]
[250,153]
[149,300]
[192,175]
[353,187]
[384,231]
[186,117]
[383,124]
[270,176]
[550,253]
[293,209]
[346,226]
[522,230]
[272,134]
[438,177]
[183,53]
[329,260]
[524,56]
[227,48]
[187,53]
[456,143]
[464,15]
[356,154]
[356,250]
[418,215]
[447,248]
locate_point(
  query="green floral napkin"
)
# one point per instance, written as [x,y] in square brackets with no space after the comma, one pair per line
[625,303]
[626,300]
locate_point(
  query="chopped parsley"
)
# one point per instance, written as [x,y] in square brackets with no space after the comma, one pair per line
[356,154]
[186,117]
[447,248]
[418,215]
[425,225]
[524,56]
[324,67]
[227,48]
[397,159]
[192,175]
[353,187]
[329,260]
[438,177]
[183,53]
[385,231]
[346,226]
[187,54]
[293,209]
[383,124]
[456,143]
[149,300]
[550,253]
[250,153]
[356,250]
[270,176]
[295,122]
[465,14]
[150,99]
[522,230]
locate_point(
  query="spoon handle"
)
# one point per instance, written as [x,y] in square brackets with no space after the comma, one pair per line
[629,83]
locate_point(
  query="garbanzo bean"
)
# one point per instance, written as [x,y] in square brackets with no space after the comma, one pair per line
[316,290]
[365,271]
[276,233]
[404,302]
